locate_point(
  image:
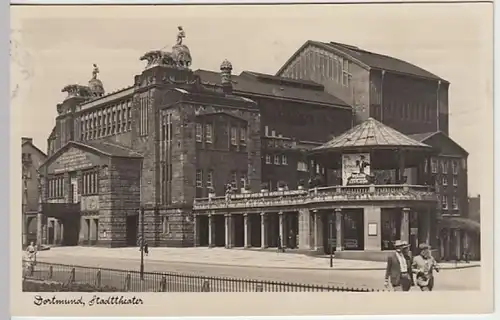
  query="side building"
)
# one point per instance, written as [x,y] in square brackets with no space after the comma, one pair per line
[32,158]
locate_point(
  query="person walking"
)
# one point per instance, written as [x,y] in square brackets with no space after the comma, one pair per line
[146,248]
[398,272]
[423,266]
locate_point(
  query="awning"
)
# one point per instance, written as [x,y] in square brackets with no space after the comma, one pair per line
[460,223]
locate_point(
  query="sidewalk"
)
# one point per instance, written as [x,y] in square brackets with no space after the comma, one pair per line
[230,257]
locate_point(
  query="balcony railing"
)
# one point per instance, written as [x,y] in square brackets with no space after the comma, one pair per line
[400,192]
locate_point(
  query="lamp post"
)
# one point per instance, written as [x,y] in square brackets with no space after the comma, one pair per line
[142,244]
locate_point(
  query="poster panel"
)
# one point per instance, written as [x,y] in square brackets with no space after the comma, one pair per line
[355,168]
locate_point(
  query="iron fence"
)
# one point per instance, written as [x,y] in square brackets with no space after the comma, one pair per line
[130,281]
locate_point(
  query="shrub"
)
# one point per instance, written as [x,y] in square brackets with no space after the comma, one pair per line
[43,286]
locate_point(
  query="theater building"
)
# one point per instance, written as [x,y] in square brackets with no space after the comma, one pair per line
[358,215]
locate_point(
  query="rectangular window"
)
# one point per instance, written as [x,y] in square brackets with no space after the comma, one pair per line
[277,160]
[198,133]
[455,203]
[346,75]
[243,136]
[445,180]
[210,179]
[234,181]
[434,164]
[455,181]
[445,202]
[454,165]
[444,166]
[208,133]
[234,137]
[90,182]
[302,166]
[268,159]
[284,160]
[143,123]
[199,178]
[243,180]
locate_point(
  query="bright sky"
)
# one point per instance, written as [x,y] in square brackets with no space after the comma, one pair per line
[58,45]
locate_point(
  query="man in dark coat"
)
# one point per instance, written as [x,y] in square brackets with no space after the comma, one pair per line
[399,271]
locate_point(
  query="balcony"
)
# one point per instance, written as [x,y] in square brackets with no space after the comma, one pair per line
[332,195]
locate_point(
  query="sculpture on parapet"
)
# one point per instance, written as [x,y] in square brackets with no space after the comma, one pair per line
[95,72]
[180,56]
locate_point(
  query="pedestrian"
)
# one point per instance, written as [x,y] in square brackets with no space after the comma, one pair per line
[146,248]
[398,271]
[424,265]
[31,257]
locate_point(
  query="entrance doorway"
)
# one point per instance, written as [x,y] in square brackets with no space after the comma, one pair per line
[50,232]
[239,230]
[202,225]
[132,230]
[354,229]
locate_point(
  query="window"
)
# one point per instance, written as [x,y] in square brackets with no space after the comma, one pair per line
[234,182]
[90,183]
[444,166]
[268,159]
[455,181]
[208,133]
[243,180]
[426,163]
[55,187]
[243,136]
[434,164]
[346,75]
[284,160]
[143,124]
[455,203]
[277,160]
[302,166]
[454,165]
[164,224]
[233,136]
[198,132]
[445,180]
[199,178]
[210,179]
[445,202]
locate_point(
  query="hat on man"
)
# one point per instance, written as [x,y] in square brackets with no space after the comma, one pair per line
[400,244]
[424,246]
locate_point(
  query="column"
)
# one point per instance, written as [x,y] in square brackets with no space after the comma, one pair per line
[304,229]
[340,230]
[210,231]
[247,231]
[196,233]
[427,226]
[458,244]
[318,231]
[281,228]
[25,230]
[229,230]
[263,230]
[448,244]
[56,231]
[61,232]
[405,225]
[39,229]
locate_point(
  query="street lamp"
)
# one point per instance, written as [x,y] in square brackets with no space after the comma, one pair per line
[142,244]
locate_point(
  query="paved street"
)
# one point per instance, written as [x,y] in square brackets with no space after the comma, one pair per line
[253,265]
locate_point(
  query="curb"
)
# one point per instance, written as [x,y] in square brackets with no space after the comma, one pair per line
[291,268]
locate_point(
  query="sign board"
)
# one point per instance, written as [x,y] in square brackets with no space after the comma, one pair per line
[372,229]
[73,159]
[355,168]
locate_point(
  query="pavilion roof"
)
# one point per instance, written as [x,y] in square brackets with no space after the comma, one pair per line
[371,134]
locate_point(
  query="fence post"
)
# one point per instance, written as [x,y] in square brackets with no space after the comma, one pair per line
[163,284]
[206,286]
[259,287]
[72,278]
[98,278]
[51,272]
[127,282]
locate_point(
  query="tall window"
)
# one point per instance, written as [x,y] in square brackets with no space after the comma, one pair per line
[434,165]
[143,123]
[445,180]
[90,182]
[346,74]
[234,137]
[199,178]
[243,179]
[284,160]
[268,159]
[455,181]
[455,203]
[210,179]
[444,166]
[243,135]
[208,133]
[302,166]
[198,132]
[234,180]
[445,202]
[454,165]
[277,160]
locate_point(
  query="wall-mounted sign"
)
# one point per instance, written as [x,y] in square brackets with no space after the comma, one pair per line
[355,168]
[73,159]
[372,229]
